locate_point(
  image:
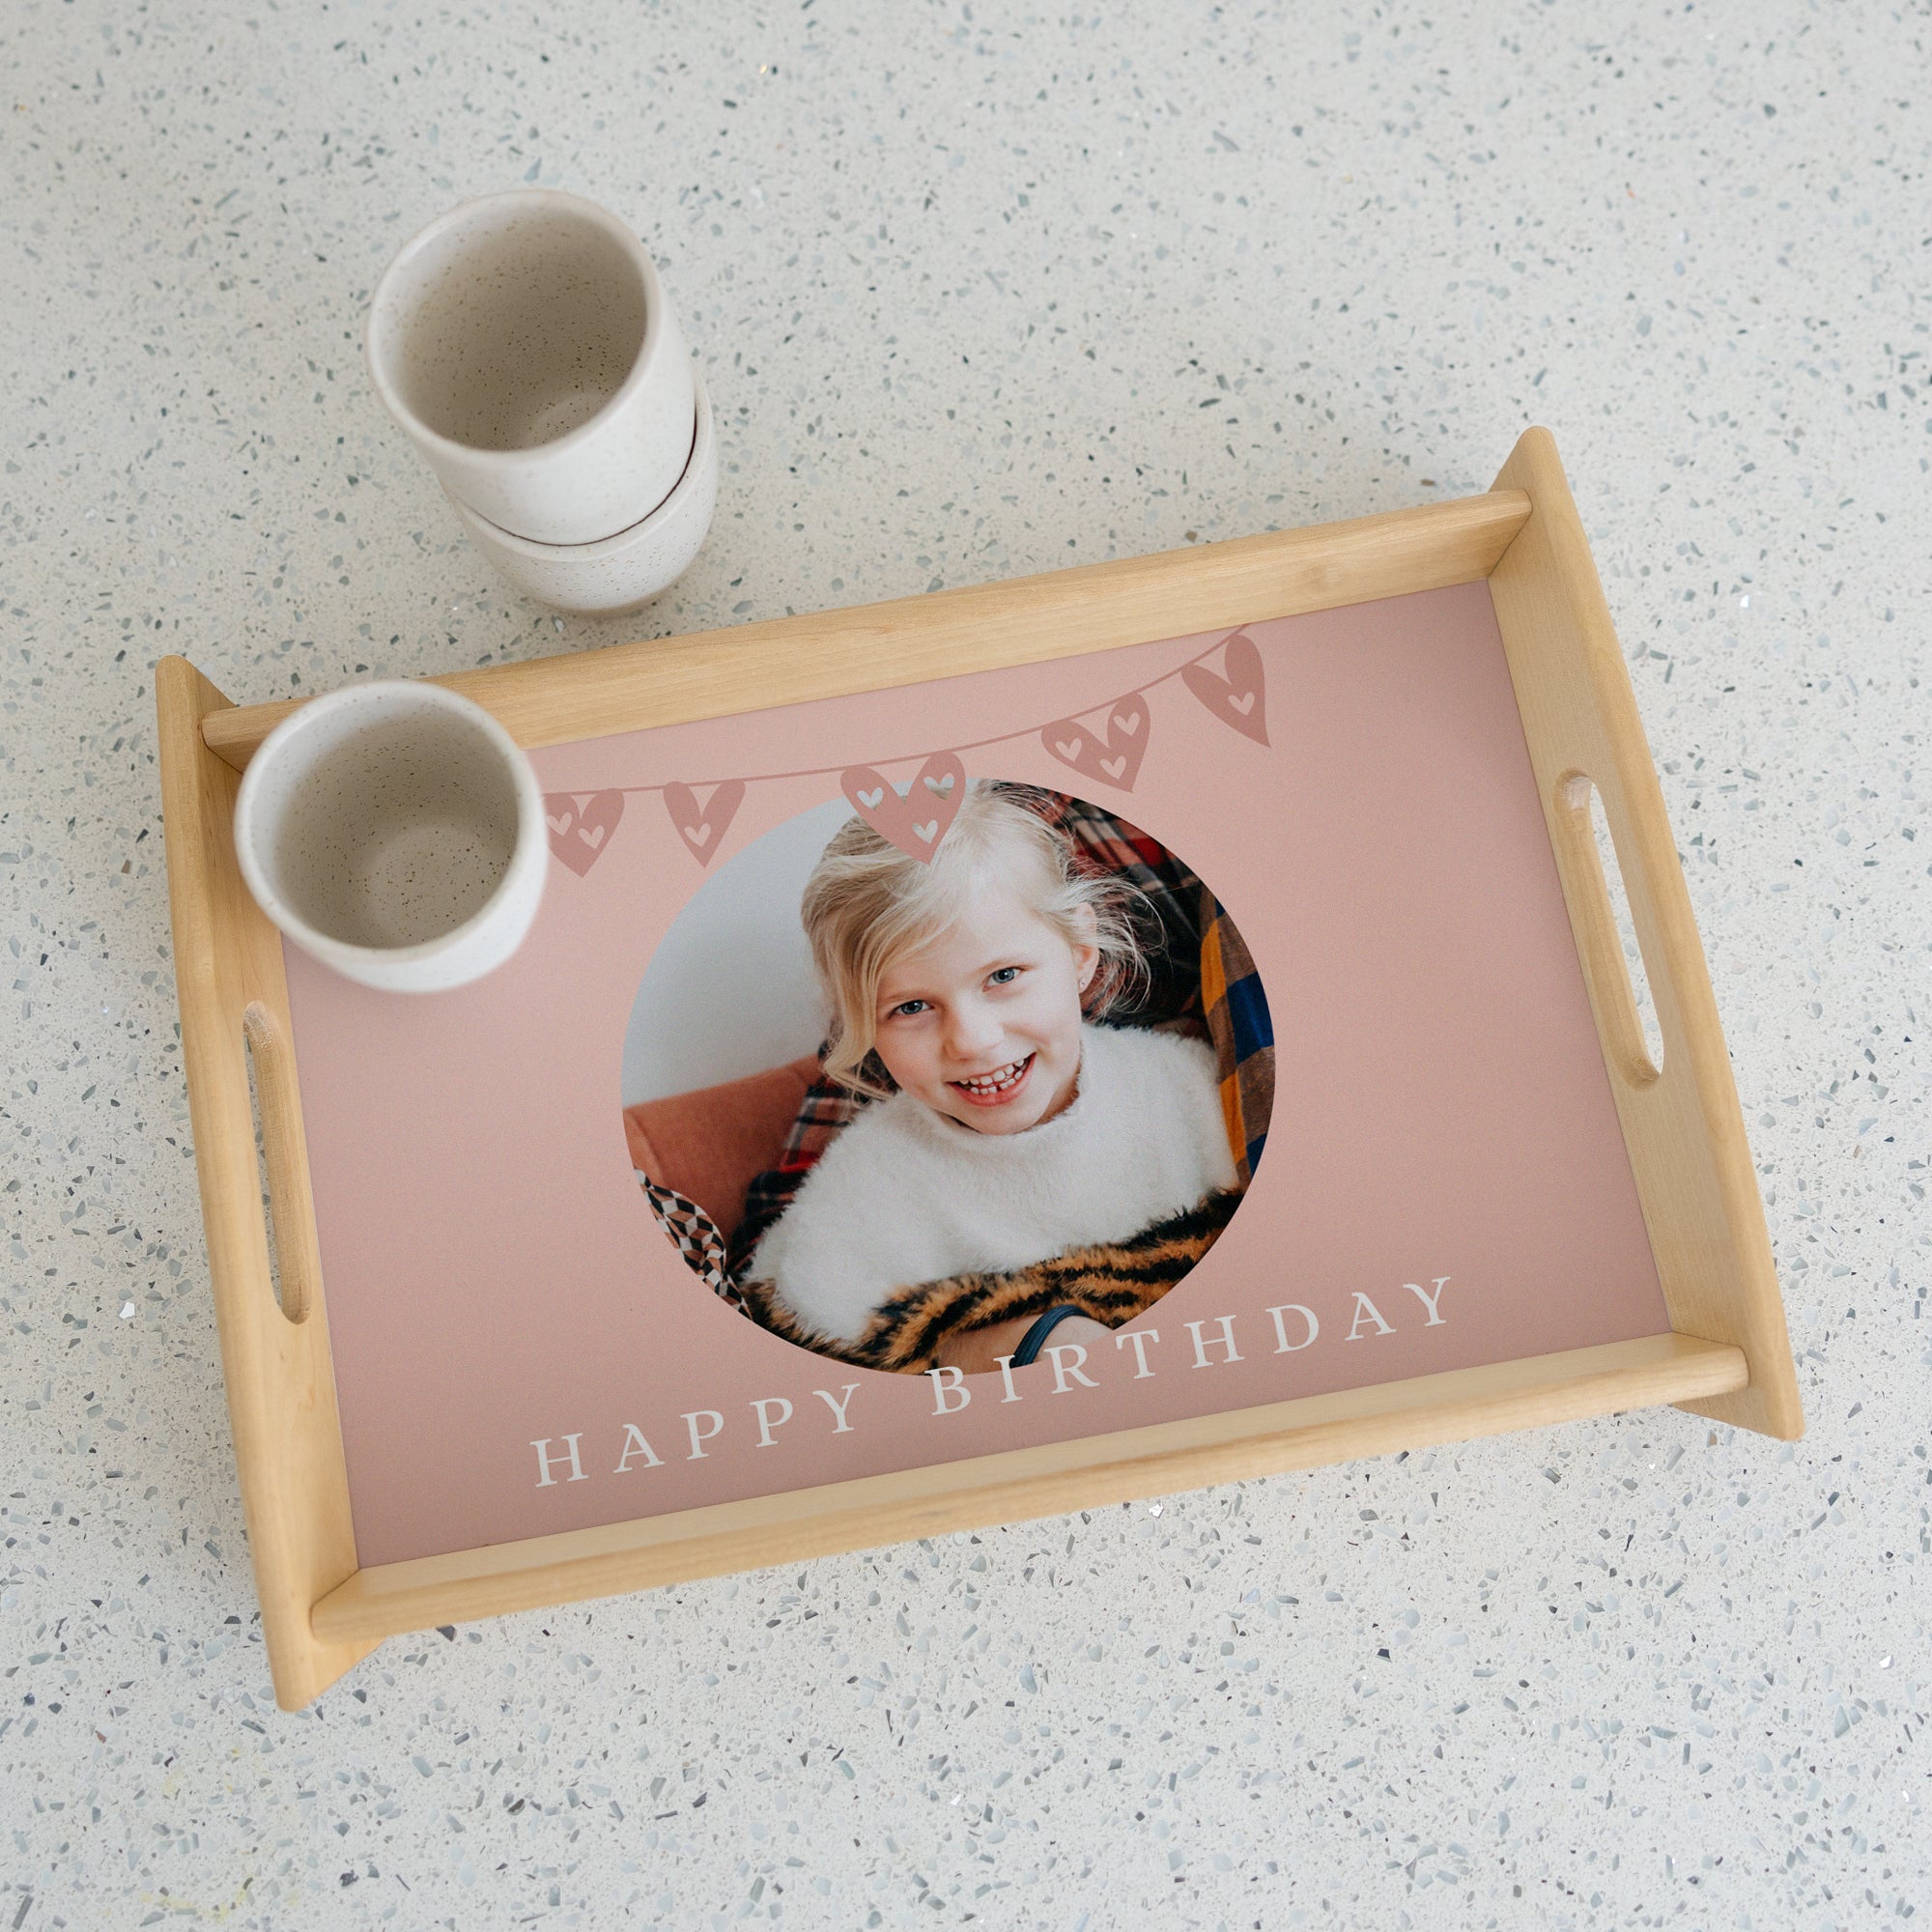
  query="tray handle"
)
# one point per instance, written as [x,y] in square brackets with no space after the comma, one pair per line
[1606,965]
[278,1133]
[276,1361]
[1682,1123]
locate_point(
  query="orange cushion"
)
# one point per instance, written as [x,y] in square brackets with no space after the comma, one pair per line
[710,1144]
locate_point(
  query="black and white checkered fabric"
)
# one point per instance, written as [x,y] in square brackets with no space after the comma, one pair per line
[695,1235]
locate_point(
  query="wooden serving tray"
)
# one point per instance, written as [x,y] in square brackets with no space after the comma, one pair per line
[1725,1353]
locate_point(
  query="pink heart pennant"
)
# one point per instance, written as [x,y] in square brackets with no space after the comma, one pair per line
[580,824]
[703,830]
[1112,755]
[1237,698]
[916,819]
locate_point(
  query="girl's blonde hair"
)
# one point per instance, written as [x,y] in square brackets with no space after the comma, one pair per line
[869,903]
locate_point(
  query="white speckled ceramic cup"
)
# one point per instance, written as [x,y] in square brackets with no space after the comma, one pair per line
[623,572]
[396,833]
[524,342]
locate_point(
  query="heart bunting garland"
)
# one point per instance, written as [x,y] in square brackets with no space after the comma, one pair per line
[916,817]
[1112,754]
[704,828]
[1237,696]
[1106,746]
[580,824]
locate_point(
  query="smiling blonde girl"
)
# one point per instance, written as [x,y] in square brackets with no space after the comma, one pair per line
[1011,1128]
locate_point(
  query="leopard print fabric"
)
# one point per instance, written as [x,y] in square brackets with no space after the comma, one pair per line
[1112,1281]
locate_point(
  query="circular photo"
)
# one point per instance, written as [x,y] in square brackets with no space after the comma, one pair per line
[943,1112]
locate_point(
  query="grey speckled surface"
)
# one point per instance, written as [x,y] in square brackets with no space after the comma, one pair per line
[980,290]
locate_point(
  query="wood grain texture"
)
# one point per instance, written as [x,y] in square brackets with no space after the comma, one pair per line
[278,1373]
[1007,1488]
[950,633]
[1683,1126]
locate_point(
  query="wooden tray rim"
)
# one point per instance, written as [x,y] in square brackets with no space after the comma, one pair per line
[1728,1355]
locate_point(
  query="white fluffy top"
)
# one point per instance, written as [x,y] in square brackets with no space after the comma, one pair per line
[905,1195]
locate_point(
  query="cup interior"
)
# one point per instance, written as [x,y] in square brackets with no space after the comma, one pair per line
[513,327]
[390,831]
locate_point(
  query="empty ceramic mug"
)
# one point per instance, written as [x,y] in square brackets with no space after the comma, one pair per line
[396,832]
[524,343]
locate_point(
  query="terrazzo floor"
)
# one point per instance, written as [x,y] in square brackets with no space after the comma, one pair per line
[982,289]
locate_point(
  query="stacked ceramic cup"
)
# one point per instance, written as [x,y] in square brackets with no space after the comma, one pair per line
[524,343]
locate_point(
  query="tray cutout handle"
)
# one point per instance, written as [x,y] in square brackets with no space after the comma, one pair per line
[272,1099]
[1613,954]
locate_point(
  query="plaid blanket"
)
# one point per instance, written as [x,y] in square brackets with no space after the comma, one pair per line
[1242,1033]
[1200,978]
